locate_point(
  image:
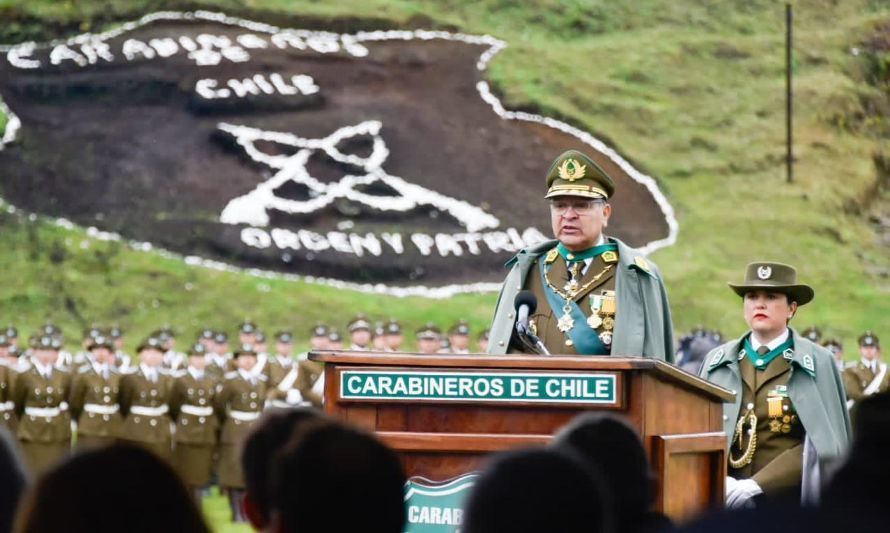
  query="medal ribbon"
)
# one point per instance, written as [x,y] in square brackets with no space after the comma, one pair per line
[768,357]
[584,338]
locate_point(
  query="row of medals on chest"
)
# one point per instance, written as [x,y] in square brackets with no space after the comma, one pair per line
[602,306]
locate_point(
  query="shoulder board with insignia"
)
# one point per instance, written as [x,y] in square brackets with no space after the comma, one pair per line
[23,367]
[643,264]
[850,364]
[262,377]
[231,375]
[551,256]
[128,371]
[84,369]
[178,373]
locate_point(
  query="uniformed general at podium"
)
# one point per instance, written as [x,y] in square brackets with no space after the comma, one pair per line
[595,295]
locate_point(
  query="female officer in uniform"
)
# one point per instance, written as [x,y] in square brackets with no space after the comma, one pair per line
[789,415]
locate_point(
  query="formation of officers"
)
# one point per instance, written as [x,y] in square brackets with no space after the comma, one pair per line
[192,408]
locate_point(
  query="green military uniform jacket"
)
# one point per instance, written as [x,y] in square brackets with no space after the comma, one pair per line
[41,405]
[94,402]
[192,403]
[240,404]
[145,406]
[858,377]
[276,370]
[295,388]
[7,406]
[643,325]
[815,405]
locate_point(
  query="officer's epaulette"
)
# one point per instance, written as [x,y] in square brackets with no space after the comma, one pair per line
[127,371]
[83,369]
[165,371]
[851,364]
[262,377]
[23,367]
[178,373]
[231,375]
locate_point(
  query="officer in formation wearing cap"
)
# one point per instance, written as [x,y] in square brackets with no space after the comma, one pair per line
[393,337]
[192,402]
[239,403]
[429,339]
[869,374]
[359,329]
[788,418]
[595,295]
[144,401]
[483,341]
[459,337]
[378,338]
[836,347]
[283,361]
[95,391]
[40,397]
[219,358]
[9,370]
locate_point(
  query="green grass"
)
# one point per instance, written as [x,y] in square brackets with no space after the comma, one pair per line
[216,511]
[691,91]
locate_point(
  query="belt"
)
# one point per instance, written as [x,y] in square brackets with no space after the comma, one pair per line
[47,412]
[196,410]
[100,409]
[285,405]
[244,416]
[149,411]
[7,406]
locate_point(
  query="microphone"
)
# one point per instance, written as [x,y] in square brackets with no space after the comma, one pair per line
[525,304]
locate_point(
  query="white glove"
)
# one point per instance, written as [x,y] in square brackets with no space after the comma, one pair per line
[740,492]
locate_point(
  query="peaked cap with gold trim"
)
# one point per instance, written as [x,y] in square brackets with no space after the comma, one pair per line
[575,174]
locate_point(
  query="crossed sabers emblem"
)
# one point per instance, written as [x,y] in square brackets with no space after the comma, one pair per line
[252,208]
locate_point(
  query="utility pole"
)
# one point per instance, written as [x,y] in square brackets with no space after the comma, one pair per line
[789,96]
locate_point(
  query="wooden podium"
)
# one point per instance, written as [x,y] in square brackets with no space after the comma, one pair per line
[445,413]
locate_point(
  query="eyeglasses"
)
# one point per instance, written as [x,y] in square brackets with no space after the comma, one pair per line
[580,207]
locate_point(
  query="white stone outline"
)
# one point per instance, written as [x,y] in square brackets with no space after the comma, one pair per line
[494,46]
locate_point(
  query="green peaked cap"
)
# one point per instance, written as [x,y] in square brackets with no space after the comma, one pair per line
[575,174]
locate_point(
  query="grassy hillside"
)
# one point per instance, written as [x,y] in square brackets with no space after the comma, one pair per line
[691,91]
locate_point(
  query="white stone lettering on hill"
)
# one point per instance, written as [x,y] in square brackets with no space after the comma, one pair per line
[96,47]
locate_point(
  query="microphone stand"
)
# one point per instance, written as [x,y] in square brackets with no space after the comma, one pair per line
[530,339]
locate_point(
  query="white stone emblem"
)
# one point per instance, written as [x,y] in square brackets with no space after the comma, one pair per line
[252,207]
[764,272]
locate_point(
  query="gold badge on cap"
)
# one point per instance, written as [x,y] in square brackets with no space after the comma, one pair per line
[571,170]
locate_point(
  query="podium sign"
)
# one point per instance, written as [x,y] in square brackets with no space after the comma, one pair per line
[478,387]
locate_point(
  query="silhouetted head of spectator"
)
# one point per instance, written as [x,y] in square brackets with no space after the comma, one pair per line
[14,480]
[118,488]
[271,433]
[537,490]
[611,446]
[331,477]
[862,480]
